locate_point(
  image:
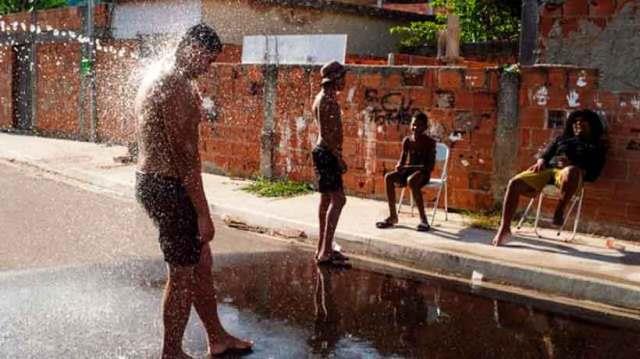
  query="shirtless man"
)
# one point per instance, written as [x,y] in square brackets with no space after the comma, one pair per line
[328,162]
[169,187]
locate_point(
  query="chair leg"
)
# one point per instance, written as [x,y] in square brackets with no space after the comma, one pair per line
[535,225]
[400,200]
[524,215]
[411,202]
[435,205]
[446,202]
[578,213]
[567,215]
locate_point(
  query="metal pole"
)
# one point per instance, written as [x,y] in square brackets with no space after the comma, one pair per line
[33,78]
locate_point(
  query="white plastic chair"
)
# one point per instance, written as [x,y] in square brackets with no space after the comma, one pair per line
[552,191]
[442,156]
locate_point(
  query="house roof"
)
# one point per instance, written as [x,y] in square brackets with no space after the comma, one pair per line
[336,6]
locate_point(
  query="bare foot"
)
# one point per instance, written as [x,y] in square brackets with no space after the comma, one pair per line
[501,238]
[558,217]
[229,345]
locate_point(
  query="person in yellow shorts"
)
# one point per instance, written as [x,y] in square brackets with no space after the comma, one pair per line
[577,155]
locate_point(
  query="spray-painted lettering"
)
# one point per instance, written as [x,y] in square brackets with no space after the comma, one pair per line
[389,108]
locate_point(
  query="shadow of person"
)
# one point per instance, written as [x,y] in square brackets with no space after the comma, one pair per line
[326,333]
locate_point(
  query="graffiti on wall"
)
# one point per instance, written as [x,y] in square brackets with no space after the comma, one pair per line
[389,108]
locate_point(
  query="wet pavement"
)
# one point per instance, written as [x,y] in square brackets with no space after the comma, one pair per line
[292,309]
[81,277]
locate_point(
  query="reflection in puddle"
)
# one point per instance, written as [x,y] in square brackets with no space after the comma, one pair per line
[355,313]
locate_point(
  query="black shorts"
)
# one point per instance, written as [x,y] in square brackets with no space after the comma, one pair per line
[328,170]
[402,177]
[166,201]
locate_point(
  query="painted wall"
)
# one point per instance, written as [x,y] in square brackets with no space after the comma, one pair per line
[601,34]
[6,80]
[235,19]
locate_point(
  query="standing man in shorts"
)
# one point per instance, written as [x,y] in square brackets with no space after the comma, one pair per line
[169,187]
[328,162]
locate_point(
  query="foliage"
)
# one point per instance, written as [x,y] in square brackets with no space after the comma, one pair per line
[480,21]
[277,188]
[11,6]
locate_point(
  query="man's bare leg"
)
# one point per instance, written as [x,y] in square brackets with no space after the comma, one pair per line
[415,182]
[568,187]
[325,202]
[338,201]
[176,305]
[389,184]
[515,189]
[204,300]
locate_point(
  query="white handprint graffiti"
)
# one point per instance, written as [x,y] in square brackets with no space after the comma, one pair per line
[573,99]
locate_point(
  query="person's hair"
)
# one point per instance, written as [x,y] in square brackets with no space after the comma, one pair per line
[204,35]
[595,124]
[421,117]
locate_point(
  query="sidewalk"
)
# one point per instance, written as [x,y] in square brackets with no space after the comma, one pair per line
[586,271]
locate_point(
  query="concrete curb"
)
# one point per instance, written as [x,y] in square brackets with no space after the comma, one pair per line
[463,265]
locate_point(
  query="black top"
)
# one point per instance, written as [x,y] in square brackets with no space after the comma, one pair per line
[586,155]
[421,156]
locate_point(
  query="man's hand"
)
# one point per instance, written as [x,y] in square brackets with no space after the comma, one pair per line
[343,165]
[205,228]
[538,166]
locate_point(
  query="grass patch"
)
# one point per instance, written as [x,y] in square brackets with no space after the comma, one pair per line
[264,187]
[484,220]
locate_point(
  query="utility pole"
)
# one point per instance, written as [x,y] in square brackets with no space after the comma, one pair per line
[33,67]
[528,32]
[88,113]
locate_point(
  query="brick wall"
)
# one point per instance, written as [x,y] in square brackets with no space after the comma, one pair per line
[6,96]
[377,103]
[599,34]
[548,94]
[57,89]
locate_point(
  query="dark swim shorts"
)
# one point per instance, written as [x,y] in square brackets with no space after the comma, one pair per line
[328,170]
[166,201]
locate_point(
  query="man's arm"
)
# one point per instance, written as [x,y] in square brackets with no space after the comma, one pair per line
[403,156]
[430,159]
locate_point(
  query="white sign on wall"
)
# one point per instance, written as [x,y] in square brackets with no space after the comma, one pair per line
[294,49]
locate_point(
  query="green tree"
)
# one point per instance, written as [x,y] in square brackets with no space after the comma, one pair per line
[11,6]
[480,21]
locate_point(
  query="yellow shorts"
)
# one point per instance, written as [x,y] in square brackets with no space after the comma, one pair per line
[540,179]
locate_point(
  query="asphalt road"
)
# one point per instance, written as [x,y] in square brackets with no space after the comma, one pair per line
[81,276]
[81,271]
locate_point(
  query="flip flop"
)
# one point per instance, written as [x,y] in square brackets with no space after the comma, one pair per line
[423,227]
[385,224]
[232,351]
[338,256]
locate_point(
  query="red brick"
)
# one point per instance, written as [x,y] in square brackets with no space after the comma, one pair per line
[371,80]
[557,77]
[569,25]
[475,78]
[552,10]
[602,7]
[575,8]
[545,25]
[393,80]
[449,78]
[534,77]
[633,213]
[533,117]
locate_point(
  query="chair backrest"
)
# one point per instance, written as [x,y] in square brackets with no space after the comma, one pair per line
[442,155]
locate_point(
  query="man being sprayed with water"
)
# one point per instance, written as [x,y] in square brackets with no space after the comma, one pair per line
[169,186]
[328,162]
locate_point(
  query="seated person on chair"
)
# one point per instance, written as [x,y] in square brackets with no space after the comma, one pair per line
[576,155]
[413,169]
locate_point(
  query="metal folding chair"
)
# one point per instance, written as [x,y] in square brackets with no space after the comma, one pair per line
[552,191]
[442,156]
